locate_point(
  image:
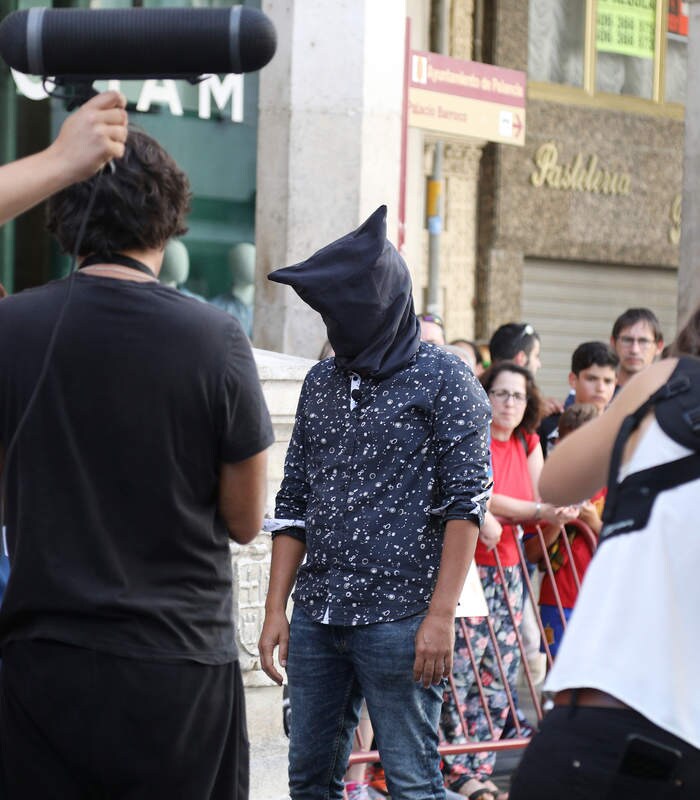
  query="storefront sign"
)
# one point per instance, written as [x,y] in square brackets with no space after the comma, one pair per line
[165,93]
[466,98]
[583,174]
[626,27]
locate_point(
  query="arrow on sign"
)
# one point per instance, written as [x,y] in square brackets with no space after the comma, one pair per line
[517,125]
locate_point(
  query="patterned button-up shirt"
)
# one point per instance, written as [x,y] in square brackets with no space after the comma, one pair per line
[373,471]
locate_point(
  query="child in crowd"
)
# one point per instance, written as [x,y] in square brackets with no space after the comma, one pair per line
[590,513]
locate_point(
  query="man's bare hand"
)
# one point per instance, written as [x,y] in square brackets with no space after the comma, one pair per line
[91,137]
[435,641]
[275,633]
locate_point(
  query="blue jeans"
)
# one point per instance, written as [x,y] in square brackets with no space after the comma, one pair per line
[330,669]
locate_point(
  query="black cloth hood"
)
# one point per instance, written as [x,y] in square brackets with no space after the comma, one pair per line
[362,288]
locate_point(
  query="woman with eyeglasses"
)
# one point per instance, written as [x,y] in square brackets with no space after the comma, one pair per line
[517,463]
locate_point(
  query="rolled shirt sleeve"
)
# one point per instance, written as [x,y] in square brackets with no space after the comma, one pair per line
[462,439]
[293,496]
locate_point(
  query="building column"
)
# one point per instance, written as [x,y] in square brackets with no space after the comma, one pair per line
[688,279]
[329,137]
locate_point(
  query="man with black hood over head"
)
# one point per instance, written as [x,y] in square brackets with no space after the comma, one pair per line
[385,484]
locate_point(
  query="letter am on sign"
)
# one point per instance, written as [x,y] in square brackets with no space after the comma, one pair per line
[165,93]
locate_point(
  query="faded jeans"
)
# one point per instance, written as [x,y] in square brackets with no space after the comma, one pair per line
[330,669]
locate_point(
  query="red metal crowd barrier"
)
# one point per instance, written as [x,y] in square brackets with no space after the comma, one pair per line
[362,753]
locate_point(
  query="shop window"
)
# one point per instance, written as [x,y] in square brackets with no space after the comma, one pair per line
[556,38]
[624,44]
[605,48]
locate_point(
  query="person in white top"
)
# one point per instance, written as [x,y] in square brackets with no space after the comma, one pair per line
[626,721]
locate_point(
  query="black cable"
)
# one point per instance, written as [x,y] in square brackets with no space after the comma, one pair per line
[47,359]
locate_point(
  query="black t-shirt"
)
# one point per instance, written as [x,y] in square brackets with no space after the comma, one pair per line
[112,525]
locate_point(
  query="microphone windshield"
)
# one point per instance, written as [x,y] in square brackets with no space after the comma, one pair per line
[137,42]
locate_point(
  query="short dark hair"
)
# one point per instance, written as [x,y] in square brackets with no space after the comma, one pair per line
[139,205]
[634,315]
[534,408]
[510,339]
[590,353]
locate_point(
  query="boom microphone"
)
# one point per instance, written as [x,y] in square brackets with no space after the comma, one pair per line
[136,43]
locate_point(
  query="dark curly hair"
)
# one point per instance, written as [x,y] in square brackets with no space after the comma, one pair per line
[533,409]
[138,206]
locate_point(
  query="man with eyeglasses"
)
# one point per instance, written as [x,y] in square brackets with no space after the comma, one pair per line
[637,340]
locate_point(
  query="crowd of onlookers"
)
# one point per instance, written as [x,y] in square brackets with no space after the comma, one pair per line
[525,428]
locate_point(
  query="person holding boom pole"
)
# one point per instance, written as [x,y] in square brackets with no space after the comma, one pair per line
[88,140]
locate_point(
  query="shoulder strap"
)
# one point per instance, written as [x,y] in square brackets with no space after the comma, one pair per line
[677,409]
[523,441]
[681,419]
[635,496]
